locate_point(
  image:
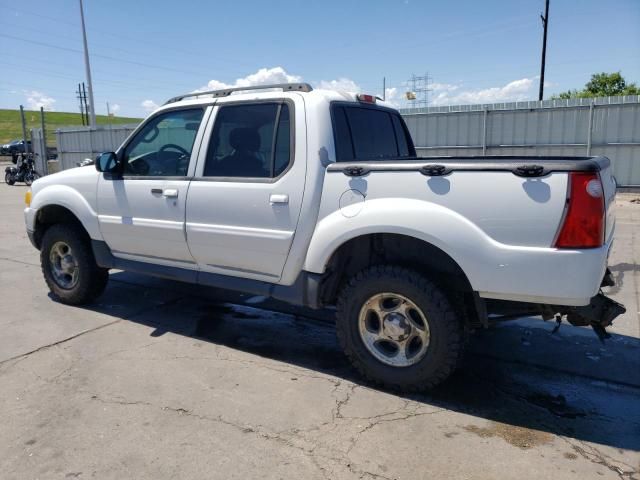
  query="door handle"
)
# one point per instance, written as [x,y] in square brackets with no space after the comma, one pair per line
[278,198]
[167,192]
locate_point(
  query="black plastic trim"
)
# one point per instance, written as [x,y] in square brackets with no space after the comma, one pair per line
[516,165]
[304,291]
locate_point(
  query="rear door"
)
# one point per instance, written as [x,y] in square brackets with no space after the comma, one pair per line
[142,213]
[245,199]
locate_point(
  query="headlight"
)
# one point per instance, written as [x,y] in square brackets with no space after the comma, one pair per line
[27,198]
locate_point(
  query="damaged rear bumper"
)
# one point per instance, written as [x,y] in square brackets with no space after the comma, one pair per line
[598,315]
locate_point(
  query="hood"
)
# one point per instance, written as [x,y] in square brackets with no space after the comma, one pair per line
[73,177]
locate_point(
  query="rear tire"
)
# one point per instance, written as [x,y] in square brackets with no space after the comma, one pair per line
[69,267]
[8,178]
[421,316]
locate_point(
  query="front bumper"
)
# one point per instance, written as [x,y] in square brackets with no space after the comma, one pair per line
[32,238]
[29,221]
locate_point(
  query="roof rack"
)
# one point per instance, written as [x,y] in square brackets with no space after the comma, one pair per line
[286,87]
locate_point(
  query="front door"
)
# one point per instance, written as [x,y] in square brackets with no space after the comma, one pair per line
[142,213]
[245,199]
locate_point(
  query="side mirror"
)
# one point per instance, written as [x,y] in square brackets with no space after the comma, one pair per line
[107,162]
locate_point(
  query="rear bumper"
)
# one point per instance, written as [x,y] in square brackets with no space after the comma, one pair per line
[601,312]
[545,276]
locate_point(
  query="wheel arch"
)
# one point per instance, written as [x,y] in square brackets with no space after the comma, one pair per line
[56,203]
[53,214]
[403,250]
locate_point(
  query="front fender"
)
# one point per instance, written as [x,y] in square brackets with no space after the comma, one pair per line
[69,198]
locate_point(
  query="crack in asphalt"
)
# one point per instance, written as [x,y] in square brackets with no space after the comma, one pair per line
[59,342]
[599,458]
[257,430]
[94,329]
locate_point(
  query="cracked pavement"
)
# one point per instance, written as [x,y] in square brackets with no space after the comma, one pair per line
[161,380]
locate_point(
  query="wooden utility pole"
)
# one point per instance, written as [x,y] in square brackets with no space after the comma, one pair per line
[545,24]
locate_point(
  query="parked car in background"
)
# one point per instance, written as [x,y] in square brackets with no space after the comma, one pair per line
[14,147]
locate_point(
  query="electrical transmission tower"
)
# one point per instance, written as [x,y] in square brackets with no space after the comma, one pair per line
[81,95]
[419,86]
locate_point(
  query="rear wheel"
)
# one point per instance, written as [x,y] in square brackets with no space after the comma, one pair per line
[8,177]
[69,267]
[399,329]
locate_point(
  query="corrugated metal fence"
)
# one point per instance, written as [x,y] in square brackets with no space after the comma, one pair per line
[587,126]
[39,151]
[77,143]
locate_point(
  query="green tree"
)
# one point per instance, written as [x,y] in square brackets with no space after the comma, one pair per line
[603,85]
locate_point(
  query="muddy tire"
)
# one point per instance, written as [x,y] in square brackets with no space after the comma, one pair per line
[399,329]
[69,267]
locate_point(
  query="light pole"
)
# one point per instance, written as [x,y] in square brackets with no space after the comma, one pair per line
[545,23]
[92,110]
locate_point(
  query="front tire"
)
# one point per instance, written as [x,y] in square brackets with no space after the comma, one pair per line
[30,177]
[8,178]
[69,267]
[399,329]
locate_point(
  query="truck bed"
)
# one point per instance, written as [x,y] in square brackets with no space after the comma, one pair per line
[497,217]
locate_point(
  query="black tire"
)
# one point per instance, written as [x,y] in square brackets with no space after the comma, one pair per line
[91,280]
[446,328]
[8,178]
[31,177]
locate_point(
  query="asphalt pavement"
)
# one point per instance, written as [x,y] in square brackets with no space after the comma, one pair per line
[162,380]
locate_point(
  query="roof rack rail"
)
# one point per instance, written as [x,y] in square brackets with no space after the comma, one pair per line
[286,87]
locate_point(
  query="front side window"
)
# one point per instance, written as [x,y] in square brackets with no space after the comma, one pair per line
[363,133]
[163,146]
[250,141]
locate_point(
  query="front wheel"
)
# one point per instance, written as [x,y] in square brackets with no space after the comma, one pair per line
[69,267]
[9,179]
[399,329]
[31,177]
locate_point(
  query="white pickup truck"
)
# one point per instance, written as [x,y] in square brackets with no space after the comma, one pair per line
[317,198]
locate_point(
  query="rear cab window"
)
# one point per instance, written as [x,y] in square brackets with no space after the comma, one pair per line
[369,133]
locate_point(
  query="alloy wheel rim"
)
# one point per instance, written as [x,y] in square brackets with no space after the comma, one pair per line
[64,266]
[394,329]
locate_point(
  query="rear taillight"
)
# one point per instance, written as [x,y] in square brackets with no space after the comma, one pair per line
[583,225]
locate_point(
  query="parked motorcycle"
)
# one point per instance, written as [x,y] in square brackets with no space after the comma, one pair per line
[24,171]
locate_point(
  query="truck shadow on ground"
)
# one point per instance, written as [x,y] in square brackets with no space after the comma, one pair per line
[515,395]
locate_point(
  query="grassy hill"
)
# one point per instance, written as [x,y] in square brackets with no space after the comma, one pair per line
[11,127]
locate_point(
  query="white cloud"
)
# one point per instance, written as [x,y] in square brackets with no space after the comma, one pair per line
[447,87]
[391,96]
[266,76]
[511,92]
[149,105]
[115,108]
[263,76]
[36,99]
[342,84]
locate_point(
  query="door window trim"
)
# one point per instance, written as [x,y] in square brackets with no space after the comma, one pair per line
[198,174]
[195,150]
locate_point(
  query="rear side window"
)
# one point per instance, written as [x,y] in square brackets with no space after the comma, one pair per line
[250,141]
[363,133]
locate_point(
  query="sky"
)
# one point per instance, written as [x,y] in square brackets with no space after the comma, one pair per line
[144,52]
